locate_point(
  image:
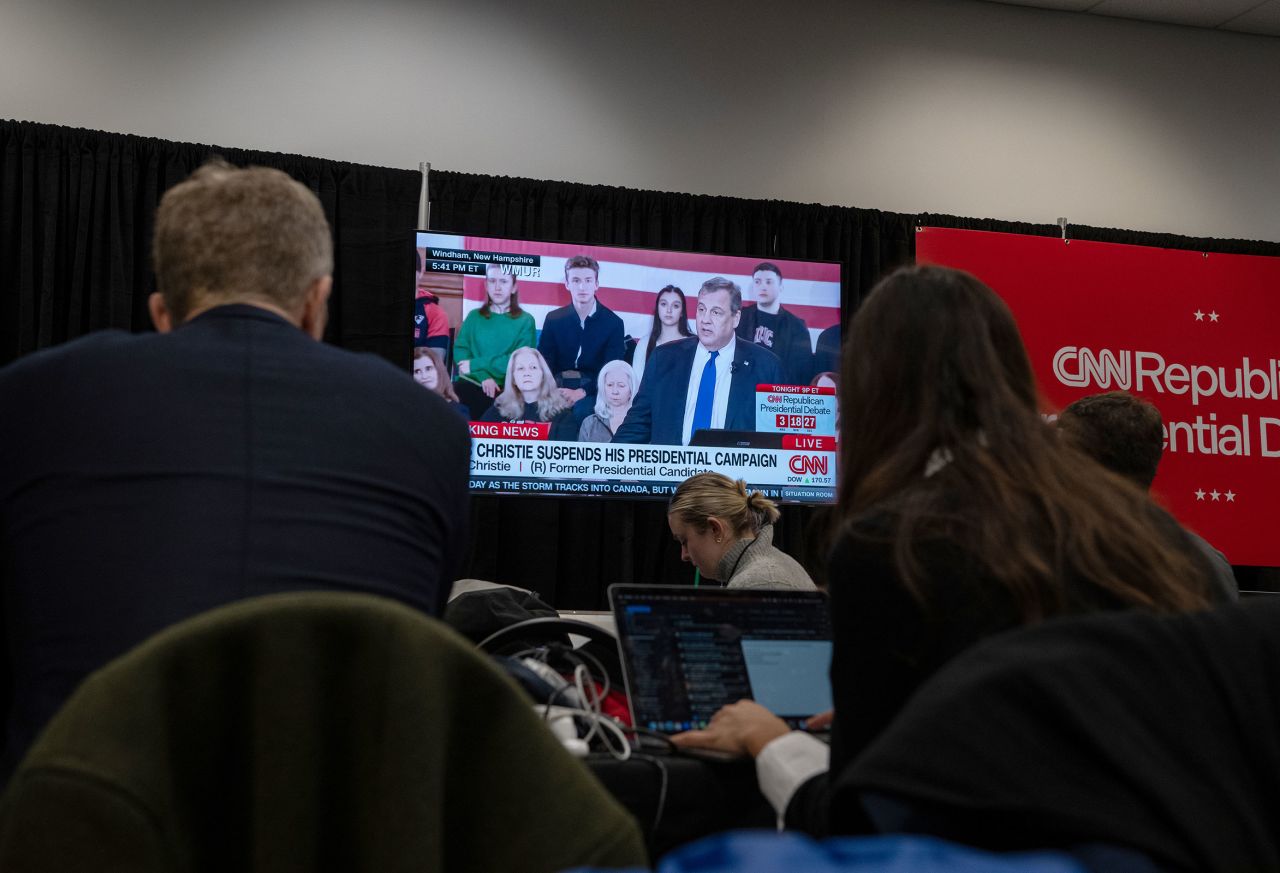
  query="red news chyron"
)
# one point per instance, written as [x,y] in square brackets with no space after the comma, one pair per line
[794,389]
[809,443]
[509,430]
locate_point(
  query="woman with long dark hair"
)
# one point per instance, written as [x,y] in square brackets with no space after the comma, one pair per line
[961,516]
[670,323]
[429,372]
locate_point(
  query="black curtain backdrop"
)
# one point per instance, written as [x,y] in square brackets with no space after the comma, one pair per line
[76,213]
[77,208]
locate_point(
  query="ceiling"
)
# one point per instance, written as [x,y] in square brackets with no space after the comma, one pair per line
[1241,16]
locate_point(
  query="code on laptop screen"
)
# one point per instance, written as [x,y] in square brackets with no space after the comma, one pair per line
[688,653]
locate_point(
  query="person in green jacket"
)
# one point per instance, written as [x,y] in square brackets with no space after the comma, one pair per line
[487,338]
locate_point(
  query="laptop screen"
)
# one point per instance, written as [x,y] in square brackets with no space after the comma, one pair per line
[686,652]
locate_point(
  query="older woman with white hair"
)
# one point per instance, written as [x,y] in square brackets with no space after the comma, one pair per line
[616,388]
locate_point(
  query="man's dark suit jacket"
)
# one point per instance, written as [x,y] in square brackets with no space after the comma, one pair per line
[601,341]
[148,478]
[657,415]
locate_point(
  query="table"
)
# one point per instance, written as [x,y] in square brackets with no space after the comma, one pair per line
[702,797]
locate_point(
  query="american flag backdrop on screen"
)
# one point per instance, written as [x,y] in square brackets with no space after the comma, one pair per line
[631,278]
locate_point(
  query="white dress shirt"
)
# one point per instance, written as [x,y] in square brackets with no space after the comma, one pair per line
[724,373]
[788,762]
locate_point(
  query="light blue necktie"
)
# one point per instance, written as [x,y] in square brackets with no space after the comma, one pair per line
[706,396]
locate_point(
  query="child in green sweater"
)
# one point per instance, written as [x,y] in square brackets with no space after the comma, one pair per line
[488,336]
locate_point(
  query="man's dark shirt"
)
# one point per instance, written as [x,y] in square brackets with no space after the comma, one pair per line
[144,479]
[783,333]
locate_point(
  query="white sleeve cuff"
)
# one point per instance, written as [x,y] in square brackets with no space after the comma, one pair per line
[787,763]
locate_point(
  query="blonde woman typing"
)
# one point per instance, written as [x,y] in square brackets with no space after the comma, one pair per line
[727,533]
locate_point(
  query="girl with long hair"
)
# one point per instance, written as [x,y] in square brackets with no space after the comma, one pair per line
[429,372]
[961,515]
[487,338]
[670,323]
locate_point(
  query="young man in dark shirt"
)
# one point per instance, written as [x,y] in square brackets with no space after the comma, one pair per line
[578,339]
[769,325]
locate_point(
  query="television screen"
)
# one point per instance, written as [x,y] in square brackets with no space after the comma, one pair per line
[596,370]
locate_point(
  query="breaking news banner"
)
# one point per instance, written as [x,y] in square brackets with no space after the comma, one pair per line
[1193,333]
[520,457]
[778,436]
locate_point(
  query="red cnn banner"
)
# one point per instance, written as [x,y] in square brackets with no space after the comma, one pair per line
[511,430]
[804,442]
[1193,333]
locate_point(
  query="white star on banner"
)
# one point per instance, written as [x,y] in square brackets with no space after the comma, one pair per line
[1213,316]
[1199,494]
[1199,315]
[1231,497]
[1214,494]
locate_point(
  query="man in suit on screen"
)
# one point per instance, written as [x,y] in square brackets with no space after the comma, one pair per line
[147,478]
[707,382]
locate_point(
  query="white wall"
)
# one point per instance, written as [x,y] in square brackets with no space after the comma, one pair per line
[955,106]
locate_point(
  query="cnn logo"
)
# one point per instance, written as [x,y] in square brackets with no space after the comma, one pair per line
[808,465]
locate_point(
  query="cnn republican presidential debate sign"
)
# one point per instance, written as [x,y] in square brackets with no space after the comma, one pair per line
[1194,333]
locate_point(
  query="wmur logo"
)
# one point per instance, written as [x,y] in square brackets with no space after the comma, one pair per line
[808,465]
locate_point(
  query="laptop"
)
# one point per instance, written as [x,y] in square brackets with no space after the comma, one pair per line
[687,651]
[738,439]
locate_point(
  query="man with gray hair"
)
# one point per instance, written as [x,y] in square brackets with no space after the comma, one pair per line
[705,382]
[147,478]
[1125,434]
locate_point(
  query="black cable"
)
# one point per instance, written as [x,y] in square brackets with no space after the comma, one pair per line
[668,746]
[662,787]
[742,555]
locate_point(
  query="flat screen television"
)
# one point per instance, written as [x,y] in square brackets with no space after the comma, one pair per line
[619,372]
